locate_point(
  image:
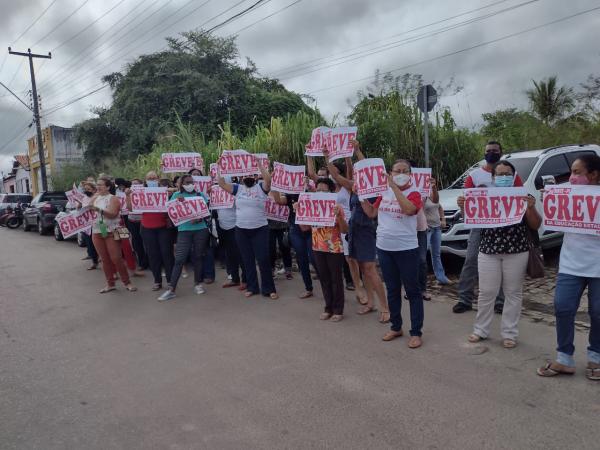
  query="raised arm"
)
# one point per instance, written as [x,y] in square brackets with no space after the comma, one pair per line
[435,195]
[532,216]
[224,185]
[335,173]
[266,177]
[341,219]
[310,167]
[357,151]
[278,197]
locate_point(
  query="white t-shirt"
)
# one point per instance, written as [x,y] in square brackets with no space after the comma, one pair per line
[343,198]
[227,218]
[395,230]
[102,202]
[579,255]
[250,205]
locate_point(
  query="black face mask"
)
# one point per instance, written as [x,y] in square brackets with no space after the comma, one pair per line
[492,158]
[249,182]
[88,193]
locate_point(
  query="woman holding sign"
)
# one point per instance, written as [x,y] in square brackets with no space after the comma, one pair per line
[190,235]
[502,263]
[577,270]
[252,230]
[109,218]
[398,249]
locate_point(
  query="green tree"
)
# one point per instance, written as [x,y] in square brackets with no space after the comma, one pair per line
[549,102]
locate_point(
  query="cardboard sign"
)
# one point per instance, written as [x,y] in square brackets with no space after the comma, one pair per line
[214,172]
[240,162]
[180,162]
[149,200]
[335,140]
[220,198]
[316,209]
[191,208]
[275,211]
[76,221]
[370,178]
[494,207]
[201,184]
[287,179]
[421,179]
[122,202]
[74,196]
[572,209]
[263,159]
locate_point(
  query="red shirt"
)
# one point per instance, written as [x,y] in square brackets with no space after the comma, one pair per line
[154,220]
[482,176]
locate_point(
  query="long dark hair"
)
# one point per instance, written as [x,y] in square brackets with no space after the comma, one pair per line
[591,162]
[181,180]
[504,163]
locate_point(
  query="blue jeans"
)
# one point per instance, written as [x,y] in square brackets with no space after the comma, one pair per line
[422,238]
[434,243]
[189,243]
[254,247]
[569,289]
[208,264]
[399,268]
[302,243]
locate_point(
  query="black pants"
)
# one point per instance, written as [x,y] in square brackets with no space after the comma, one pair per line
[158,243]
[347,273]
[91,250]
[232,255]
[330,267]
[254,248]
[276,239]
[137,243]
[186,242]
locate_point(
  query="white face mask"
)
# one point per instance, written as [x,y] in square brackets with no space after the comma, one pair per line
[402,179]
[188,188]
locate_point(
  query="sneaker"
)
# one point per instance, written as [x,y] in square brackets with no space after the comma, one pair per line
[167,295]
[198,289]
[184,275]
[460,308]
[229,277]
[280,271]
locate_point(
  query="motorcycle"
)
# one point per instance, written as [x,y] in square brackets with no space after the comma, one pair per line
[13,218]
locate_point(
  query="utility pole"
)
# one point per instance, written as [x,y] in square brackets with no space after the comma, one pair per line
[36,112]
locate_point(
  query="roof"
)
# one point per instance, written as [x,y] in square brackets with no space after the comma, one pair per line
[23,161]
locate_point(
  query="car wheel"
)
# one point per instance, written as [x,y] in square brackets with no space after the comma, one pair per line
[57,233]
[80,240]
[25,226]
[40,228]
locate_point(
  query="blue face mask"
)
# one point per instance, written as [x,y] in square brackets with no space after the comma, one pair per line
[504,180]
[152,183]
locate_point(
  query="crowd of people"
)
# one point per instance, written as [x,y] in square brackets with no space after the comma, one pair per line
[377,248]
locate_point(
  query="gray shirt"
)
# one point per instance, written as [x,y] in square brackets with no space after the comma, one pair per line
[432,212]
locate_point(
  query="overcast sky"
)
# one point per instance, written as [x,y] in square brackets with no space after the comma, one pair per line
[317,33]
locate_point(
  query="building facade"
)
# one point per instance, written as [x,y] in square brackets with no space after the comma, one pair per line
[18,180]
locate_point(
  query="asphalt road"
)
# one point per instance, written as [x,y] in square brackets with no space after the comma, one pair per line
[79,370]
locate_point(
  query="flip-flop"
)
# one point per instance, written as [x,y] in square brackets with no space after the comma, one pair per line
[383,315]
[365,310]
[593,372]
[306,294]
[249,294]
[509,343]
[273,295]
[107,289]
[362,300]
[131,288]
[548,371]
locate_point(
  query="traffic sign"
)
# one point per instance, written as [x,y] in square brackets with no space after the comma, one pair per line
[427,96]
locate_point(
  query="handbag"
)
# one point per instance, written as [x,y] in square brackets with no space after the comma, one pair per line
[535,263]
[120,233]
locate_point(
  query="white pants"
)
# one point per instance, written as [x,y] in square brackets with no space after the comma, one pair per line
[495,271]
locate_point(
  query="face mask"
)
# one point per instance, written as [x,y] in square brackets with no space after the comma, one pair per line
[188,188]
[402,179]
[249,182]
[89,194]
[152,183]
[504,180]
[578,179]
[492,158]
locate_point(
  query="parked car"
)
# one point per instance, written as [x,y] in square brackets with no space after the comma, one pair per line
[43,209]
[12,200]
[531,166]
[58,233]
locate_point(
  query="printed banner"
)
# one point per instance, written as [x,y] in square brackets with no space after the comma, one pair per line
[275,211]
[122,201]
[181,162]
[572,209]
[263,159]
[214,172]
[240,162]
[494,207]
[220,198]
[190,208]
[149,200]
[201,184]
[287,179]
[421,181]
[335,140]
[370,178]
[76,221]
[74,196]
[316,209]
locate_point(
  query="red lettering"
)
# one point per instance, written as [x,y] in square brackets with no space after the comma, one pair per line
[508,203]
[470,208]
[549,206]
[482,203]
[577,204]
[563,208]
[495,207]
[592,206]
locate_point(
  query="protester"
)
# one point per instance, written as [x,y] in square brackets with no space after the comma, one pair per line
[502,262]
[479,177]
[191,235]
[398,249]
[208,258]
[89,189]
[252,231]
[328,252]
[578,270]
[435,222]
[108,208]
[278,239]
[422,240]
[133,224]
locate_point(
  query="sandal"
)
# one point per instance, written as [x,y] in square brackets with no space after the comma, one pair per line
[273,295]
[552,369]
[242,286]
[107,289]
[365,310]
[384,317]
[415,342]
[306,294]
[230,284]
[336,318]
[362,300]
[93,267]
[131,288]
[473,338]
[509,343]
[592,372]
[426,297]
[325,316]
[249,294]
[156,287]
[391,335]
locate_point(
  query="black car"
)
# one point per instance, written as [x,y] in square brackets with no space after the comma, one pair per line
[43,209]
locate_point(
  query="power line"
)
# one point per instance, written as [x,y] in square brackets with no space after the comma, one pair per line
[20,133]
[466,49]
[61,23]
[34,22]
[238,15]
[269,16]
[52,111]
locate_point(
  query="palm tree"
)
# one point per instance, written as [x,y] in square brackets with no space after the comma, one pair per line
[550,102]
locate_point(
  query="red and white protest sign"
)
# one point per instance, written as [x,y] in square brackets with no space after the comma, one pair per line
[263,159]
[180,162]
[76,221]
[316,209]
[317,141]
[287,179]
[337,141]
[149,199]
[370,178]
[572,209]
[201,184]
[494,207]
[74,195]
[191,208]
[275,211]
[122,202]
[421,181]
[214,172]
[220,198]
[240,162]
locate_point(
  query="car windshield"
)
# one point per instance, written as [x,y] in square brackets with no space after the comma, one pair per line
[49,196]
[522,165]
